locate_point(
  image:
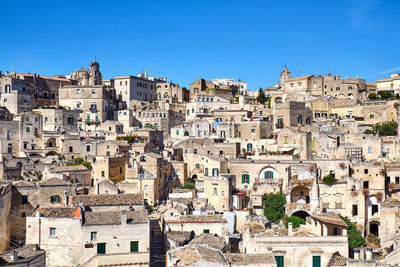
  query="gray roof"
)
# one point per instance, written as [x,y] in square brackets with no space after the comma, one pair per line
[107,218]
[25,254]
[209,239]
[107,200]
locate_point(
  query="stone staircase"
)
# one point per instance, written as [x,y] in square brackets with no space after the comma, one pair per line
[157,251]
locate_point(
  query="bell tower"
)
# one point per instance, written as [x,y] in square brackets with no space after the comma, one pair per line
[285,75]
[95,74]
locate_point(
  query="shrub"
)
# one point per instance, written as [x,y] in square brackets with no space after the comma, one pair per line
[296,221]
[274,206]
[373,96]
[329,179]
[353,234]
[80,161]
[188,185]
[388,128]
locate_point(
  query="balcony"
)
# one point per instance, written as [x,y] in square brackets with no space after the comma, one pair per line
[93,110]
[88,122]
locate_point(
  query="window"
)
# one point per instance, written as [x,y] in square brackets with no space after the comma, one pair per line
[354,210]
[8,89]
[206,231]
[249,147]
[71,149]
[279,261]
[88,148]
[28,129]
[316,261]
[78,91]
[102,174]
[369,149]
[177,132]
[337,88]
[365,171]
[52,231]
[120,170]
[24,199]
[143,159]
[215,192]
[101,248]
[195,151]
[93,236]
[285,140]
[397,180]
[365,185]
[8,135]
[93,91]
[245,178]
[269,175]
[375,209]
[335,231]
[300,119]
[215,172]
[206,171]
[55,199]
[134,246]
[371,116]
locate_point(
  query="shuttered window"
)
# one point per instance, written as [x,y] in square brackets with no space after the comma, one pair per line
[245,178]
[134,246]
[316,261]
[279,261]
[101,248]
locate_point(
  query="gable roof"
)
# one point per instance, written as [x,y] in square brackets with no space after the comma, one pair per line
[107,200]
[54,182]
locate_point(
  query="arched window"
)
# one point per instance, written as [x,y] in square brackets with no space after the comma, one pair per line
[371,116]
[159,96]
[186,133]
[268,175]
[299,85]
[350,88]
[188,112]
[143,159]
[337,88]
[222,134]
[245,178]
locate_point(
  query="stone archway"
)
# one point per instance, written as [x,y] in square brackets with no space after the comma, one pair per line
[300,194]
[301,214]
[374,228]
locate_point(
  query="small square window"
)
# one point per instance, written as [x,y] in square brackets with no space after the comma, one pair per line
[93,236]
[52,231]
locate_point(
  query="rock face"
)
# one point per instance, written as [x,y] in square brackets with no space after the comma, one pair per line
[256,222]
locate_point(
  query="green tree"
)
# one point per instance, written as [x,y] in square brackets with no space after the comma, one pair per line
[388,128]
[373,96]
[296,221]
[274,206]
[188,185]
[261,98]
[329,179]
[353,234]
[386,94]
[80,161]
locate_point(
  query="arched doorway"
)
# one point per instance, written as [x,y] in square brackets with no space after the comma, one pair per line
[301,213]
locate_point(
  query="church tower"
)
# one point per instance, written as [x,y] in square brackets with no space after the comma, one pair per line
[95,74]
[285,75]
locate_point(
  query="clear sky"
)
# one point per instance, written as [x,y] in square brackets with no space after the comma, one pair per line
[187,40]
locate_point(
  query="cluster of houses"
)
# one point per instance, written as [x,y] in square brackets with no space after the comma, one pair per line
[139,171]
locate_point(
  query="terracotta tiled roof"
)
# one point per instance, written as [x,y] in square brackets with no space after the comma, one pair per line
[330,218]
[337,260]
[107,200]
[180,236]
[56,212]
[250,259]
[107,218]
[191,254]
[54,182]
[218,218]
[209,239]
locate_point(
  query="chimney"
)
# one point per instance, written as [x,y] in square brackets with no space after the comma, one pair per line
[356,253]
[368,254]
[123,217]
[290,229]
[14,256]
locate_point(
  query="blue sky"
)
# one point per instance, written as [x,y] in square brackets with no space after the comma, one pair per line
[187,40]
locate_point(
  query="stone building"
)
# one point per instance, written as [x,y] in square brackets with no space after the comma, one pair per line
[5,216]
[170,92]
[72,236]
